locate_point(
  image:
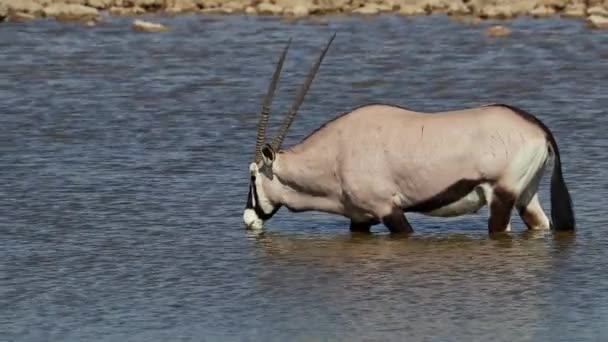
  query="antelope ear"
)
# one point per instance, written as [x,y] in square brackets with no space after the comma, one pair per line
[268,155]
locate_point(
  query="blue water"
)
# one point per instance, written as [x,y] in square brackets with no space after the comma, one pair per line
[124,158]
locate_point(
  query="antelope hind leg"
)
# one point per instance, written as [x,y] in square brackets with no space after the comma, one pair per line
[533,215]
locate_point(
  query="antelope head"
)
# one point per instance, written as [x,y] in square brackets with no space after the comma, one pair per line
[260,206]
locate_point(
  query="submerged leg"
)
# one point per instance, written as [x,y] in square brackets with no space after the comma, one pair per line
[397,223]
[533,215]
[501,205]
[360,227]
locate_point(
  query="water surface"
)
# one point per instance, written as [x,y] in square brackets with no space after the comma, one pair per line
[124,159]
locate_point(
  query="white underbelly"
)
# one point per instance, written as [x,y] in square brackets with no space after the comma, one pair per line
[469,204]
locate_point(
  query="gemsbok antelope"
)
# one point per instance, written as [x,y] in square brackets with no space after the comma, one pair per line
[377,162]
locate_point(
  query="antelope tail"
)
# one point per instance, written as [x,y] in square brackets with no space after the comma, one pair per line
[562,214]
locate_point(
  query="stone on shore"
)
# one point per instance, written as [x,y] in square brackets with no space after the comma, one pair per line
[331,6]
[297,11]
[101,4]
[3,12]
[135,10]
[234,6]
[180,6]
[496,12]
[598,10]
[501,9]
[21,17]
[542,11]
[457,8]
[22,6]
[146,26]
[552,3]
[266,8]
[576,9]
[71,12]
[597,21]
[147,4]
[409,9]
[372,8]
[498,31]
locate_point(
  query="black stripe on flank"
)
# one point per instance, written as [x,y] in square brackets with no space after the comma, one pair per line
[451,194]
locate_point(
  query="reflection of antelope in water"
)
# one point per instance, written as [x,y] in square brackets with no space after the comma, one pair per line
[393,287]
[378,161]
[451,249]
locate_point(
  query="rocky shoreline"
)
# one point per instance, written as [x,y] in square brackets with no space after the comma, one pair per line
[595,12]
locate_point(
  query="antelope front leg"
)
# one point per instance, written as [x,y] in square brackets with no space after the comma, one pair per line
[360,227]
[397,223]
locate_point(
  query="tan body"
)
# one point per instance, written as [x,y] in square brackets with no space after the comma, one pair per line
[378,161]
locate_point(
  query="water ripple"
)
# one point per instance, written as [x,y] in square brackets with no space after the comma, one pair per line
[124,165]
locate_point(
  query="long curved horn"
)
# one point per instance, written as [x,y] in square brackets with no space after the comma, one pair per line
[278,140]
[259,141]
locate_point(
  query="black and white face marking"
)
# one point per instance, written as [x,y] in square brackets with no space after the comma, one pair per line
[259,208]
